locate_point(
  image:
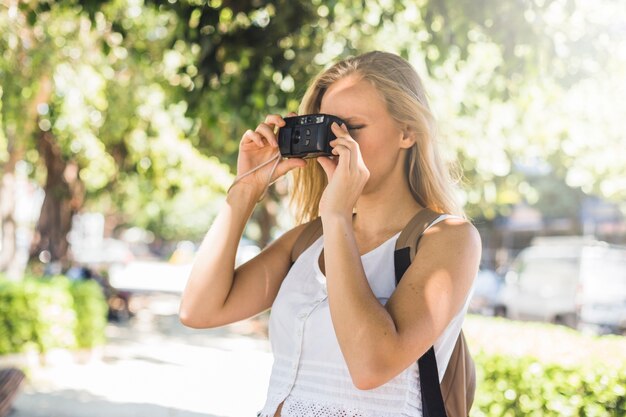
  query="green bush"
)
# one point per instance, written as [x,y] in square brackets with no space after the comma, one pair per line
[91,313]
[513,387]
[56,319]
[535,369]
[48,313]
[18,320]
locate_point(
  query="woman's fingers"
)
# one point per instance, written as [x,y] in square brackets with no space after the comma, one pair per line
[352,154]
[289,164]
[265,132]
[346,142]
[252,136]
[274,120]
[328,165]
[268,133]
[345,155]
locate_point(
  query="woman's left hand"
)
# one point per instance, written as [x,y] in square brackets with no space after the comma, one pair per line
[346,172]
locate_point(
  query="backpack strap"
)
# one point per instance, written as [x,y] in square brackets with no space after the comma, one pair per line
[406,247]
[10,380]
[432,399]
[461,372]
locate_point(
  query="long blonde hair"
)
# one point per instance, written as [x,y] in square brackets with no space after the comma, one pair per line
[430,181]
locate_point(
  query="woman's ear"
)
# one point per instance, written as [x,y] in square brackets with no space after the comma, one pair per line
[409,137]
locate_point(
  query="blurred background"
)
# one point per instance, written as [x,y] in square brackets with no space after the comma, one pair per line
[119,129]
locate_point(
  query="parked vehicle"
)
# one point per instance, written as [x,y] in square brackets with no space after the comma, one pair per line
[573,281]
[603,292]
[487,287]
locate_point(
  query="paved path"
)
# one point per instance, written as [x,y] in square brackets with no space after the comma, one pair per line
[154,366]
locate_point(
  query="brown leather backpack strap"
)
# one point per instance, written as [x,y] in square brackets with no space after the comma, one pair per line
[409,237]
[311,232]
[459,381]
[470,375]
[449,397]
[10,380]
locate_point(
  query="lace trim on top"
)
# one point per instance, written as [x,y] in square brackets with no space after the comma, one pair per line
[301,407]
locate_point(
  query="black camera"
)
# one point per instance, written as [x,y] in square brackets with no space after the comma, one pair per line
[307,136]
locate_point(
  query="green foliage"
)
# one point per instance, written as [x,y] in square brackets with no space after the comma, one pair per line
[539,369]
[47,313]
[151,98]
[101,84]
[523,386]
[18,318]
[499,74]
[4,155]
[237,62]
[91,313]
[56,317]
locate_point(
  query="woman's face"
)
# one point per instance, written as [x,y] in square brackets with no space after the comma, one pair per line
[379,136]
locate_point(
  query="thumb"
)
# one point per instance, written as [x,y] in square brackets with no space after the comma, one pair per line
[295,163]
[288,164]
[327,165]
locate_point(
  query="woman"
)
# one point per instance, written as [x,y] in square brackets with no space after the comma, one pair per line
[345,340]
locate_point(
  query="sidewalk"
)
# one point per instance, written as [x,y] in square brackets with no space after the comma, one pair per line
[154,366]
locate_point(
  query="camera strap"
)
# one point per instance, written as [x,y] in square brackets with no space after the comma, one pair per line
[276,157]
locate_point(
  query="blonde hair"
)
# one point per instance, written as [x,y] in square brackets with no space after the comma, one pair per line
[429,179]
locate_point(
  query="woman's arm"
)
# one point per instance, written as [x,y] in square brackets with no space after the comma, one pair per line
[215,293]
[378,342]
[212,272]
[214,297]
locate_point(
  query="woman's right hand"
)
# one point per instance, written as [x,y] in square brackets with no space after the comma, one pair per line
[258,146]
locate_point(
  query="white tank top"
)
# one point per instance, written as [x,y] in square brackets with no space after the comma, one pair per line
[309,372]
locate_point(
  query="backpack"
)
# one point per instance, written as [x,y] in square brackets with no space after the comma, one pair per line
[455,395]
[10,380]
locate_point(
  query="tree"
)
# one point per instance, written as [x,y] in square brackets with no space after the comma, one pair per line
[129,105]
[88,124]
[25,85]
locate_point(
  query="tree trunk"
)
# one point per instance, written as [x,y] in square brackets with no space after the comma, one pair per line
[64,196]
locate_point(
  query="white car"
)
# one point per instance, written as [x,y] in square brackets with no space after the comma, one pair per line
[573,281]
[487,287]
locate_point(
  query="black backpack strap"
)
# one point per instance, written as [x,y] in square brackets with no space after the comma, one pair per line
[406,247]
[432,400]
[406,244]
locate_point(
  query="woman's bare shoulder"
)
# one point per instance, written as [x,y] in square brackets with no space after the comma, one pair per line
[453,226]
